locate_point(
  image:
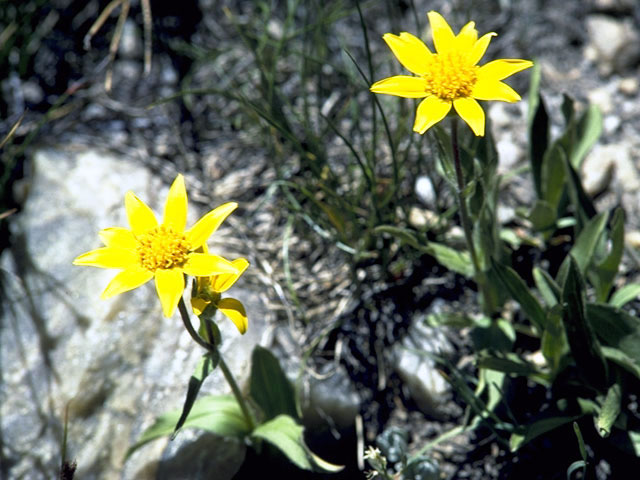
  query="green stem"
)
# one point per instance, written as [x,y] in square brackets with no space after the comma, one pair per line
[478,274]
[223,365]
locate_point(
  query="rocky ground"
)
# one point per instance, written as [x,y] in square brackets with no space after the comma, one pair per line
[122,363]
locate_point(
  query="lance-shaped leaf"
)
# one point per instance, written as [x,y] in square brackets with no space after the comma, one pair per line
[270,387]
[585,347]
[605,268]
[609,411]
[554,341]
[538,128]
[616,328]
[286,435]
[206,365]
[219,414]
[519,291]
[625,295]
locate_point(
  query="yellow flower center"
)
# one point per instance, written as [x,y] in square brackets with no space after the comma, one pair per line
[450,76]
[163,248]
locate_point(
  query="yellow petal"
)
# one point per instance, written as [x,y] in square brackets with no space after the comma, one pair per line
[443,36]
[198,305]
[410,51]
[503,68]
[206,265]
[467,37]
[494,90]
[430,111]
[222,283]
[480,47]
[472,113]
[208,224]
[169,285]
[125,281]
[141,218]
[108,257]
[401,86]
[234,310]
[118,237]
[175,210]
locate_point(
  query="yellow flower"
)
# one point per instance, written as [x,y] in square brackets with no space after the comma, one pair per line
[450,76]
[165,252]
[208,291]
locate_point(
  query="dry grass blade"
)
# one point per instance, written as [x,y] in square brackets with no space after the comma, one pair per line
[100,21]
[115,41]
[146,15]
[12,131]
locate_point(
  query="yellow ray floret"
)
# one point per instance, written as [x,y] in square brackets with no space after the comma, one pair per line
[450,77]
[164,252]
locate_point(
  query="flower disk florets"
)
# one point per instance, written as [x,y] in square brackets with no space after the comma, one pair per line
[162,248]
[450,76]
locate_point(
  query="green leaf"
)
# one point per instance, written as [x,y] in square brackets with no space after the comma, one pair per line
[526,433]
[616,328]
[554,341]
[219,414]
[455,260]
[493,334]
[585,347]
[585,247]
[206,365]
[543,216]
[605,270]
[625,295]
[610,410]
[403,234]
[582,204]
[538,128]
[588,130]
[269,386]
[512,364]
[520,292]
[581,447]
[287,436]
[547,286]
[553,175]
[622,360]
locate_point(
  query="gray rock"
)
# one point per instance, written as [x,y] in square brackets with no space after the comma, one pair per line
[615,44]
[417,369]
[607,162]
[131,41]
[425,191]
[118,363]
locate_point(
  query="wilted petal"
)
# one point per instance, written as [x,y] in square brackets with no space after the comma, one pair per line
[208,224]
[108,257]
[494,90]
[472,113]
[410,51]
[175,210]
[430,111]
[118,237]
[169,285]
[206,265]
[222,283]
[443,36]
[480,47]
[401,86]
[125,281]
[234,310]
[503,68]
[141,217]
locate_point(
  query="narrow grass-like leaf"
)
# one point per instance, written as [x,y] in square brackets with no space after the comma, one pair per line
[533,430]
[554,341]
[206,365]
[616,328]
[270,387]
[623,296]
[588,130]
[219,414]
[585,247]
[553,175]
[622,360]
[538,128]
[606,269]
[581,447]
[582,204]
[521,293]
[287,436]
[513,364]
[610,410]
[585,347]
[547,286]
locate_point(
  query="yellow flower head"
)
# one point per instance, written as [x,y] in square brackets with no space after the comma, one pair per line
[208,292]
[450,76]
[162,251]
